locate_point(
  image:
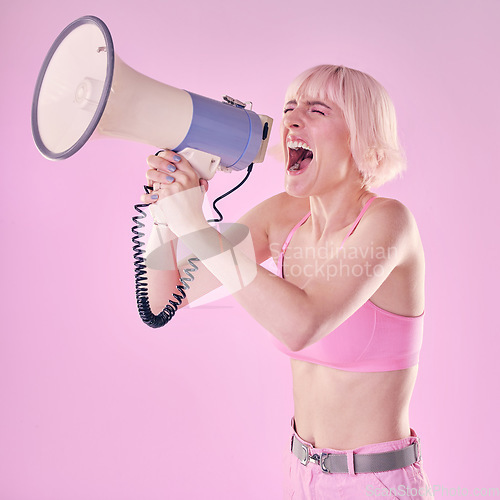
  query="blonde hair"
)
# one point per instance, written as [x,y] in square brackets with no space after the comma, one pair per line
[369,114]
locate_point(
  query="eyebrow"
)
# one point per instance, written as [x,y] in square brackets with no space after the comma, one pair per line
[309,103]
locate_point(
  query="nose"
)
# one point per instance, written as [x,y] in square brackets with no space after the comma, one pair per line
[292,119]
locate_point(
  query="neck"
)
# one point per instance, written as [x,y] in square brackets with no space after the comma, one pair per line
[333,211]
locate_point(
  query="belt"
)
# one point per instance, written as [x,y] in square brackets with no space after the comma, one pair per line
[331,463]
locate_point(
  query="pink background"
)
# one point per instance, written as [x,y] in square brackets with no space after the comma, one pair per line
[95,405]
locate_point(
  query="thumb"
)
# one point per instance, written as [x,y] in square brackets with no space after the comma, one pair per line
[204,185]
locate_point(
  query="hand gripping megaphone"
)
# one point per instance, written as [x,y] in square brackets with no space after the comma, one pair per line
[85,90]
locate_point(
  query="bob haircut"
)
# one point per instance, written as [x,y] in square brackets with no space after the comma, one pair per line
[368,112]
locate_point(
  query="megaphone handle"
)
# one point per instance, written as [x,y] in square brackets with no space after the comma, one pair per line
[205,164]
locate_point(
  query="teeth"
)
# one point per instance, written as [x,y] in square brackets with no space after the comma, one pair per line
[295,167]
[297,145]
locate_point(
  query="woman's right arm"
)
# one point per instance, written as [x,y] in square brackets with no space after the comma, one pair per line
[163,270]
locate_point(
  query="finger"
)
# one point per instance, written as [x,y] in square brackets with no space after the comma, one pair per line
[149,198]
[171,156]
[161,177]
[160,164]
[150,181]
[178,161]
[204,184]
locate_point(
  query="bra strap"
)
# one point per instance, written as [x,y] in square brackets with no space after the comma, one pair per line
[287,241]
[292,232]
[356,222]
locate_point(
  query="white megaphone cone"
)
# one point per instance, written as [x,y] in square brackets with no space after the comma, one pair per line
[85,90]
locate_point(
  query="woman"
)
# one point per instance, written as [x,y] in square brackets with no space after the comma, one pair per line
[349,309]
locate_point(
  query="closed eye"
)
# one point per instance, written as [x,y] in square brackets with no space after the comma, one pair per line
[286,110]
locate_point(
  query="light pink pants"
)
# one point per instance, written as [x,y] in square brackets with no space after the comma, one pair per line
[310,483]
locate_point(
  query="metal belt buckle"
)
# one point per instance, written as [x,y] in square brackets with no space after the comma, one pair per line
[419,453]
[305,449]
[322,459]
[307,456]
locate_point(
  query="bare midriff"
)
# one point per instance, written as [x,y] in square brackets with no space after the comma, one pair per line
[344,410]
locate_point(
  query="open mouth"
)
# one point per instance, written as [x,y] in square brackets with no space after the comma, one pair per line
[299,157]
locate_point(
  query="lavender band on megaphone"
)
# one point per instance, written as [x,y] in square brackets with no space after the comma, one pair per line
[232,133]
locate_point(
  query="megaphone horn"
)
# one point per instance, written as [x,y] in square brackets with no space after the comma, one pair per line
[85,90]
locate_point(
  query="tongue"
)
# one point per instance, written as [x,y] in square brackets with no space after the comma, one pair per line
[305,162]
[301,158]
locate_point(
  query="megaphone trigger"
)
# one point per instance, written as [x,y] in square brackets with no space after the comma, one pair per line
[204,164]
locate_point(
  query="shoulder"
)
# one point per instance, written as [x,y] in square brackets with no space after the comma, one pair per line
[281,209]
[270,218]
[391,223]
[392,215]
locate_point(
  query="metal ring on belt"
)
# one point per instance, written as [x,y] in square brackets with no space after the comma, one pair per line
[331,463]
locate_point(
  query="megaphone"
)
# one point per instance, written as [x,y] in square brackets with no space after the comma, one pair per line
[84,90]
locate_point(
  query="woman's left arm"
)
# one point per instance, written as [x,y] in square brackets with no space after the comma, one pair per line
[295,316]
[337,286]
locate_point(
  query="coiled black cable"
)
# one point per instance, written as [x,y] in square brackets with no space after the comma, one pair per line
[141,286]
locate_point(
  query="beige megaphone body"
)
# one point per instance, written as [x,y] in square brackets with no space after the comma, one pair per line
[85,90]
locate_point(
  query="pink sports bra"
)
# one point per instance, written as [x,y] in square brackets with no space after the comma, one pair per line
[370,340]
